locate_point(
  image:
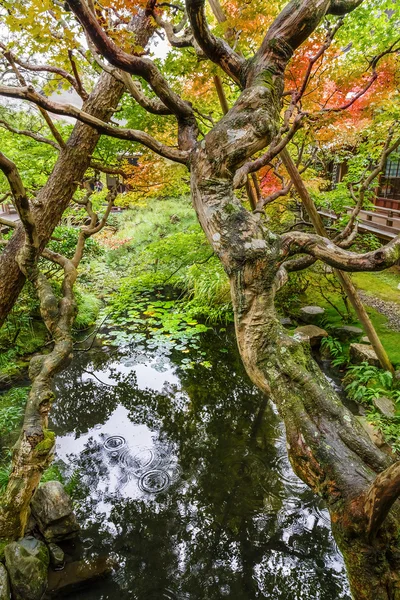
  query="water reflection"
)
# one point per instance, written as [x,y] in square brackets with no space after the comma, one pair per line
[184,478]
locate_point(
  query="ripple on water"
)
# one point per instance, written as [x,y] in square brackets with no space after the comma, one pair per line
[114,443]
[156,469]
[154,482]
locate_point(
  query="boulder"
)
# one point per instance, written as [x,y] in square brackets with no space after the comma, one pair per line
[286,321]
[57,557]
[385,406]
[52,509]
[362,353]
[79,574]
[4,583]
[311,314]
[365,340]
[348,332]
[27,562]
[311,334]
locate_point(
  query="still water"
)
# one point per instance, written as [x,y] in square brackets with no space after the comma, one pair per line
[182,476]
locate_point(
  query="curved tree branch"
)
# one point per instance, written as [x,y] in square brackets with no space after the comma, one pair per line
[381,496]
[324,249]
[74,81]
[342,7]
[214,48]
[140,66]
[133,135]
[35,136]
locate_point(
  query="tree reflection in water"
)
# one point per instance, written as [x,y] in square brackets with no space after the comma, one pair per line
[231,519]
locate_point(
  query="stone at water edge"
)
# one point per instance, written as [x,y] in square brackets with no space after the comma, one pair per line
[4,583]
[348,332]
[52,509]
[310,333]
[385,406]
[27,562]
[57,556]
[362,353]
[311,314]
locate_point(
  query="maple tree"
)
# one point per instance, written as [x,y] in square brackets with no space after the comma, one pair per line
[289,73]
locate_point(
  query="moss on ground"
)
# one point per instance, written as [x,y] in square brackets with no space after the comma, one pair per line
[383,285]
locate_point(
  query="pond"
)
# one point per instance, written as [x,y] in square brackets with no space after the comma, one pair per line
[181,474]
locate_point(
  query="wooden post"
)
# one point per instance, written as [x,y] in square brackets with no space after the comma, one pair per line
[344,278]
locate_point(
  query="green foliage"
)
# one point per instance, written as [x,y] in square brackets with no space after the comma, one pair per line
[12,405]
[64,242]
[336,351]
[88,309]
[365,382]
[389,427]
[52,473]
[4,477]
[169,279]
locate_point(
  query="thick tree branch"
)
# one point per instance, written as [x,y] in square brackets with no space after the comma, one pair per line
[151,105]
[342,7]
[133,135]
[216,49]
[21,200]
[324,249]
[140,66]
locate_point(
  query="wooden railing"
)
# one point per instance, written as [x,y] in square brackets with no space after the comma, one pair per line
[383,222]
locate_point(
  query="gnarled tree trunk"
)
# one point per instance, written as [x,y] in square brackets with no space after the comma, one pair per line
[328,448]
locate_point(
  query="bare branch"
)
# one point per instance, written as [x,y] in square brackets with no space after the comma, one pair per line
[152,105]
[74,81]
[79,87]
[35,136]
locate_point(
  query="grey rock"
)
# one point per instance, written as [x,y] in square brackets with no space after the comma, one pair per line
[311,314]
[4,583]
[27,562]
[365,340]
[310,333]
[348,332]
[52,509]
[362,353]
[57,556]
[286,321]
[385,405]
